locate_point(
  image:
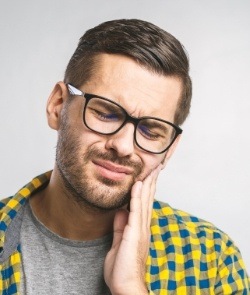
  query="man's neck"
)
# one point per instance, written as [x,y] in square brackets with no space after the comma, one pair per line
[60,212]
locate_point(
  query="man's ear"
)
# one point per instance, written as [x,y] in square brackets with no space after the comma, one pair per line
[55,104]
[170,151]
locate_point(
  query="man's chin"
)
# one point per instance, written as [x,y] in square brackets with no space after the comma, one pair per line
[102,205]
[109,182]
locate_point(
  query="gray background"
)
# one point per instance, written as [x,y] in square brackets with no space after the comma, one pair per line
[210,171]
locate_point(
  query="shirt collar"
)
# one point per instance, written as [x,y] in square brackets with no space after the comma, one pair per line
[11,205]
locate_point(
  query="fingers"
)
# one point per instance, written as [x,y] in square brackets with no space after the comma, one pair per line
[152,192]
[142,197]
[135,205]
[147,196]
[120,221]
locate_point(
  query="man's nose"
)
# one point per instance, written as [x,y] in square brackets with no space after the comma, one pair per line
[122,141]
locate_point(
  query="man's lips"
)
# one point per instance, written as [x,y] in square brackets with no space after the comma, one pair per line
[113,167]
[112,171]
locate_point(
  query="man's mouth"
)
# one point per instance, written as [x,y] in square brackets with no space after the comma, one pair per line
[112,171]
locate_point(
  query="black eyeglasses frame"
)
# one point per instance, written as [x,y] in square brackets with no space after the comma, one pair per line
[128,118]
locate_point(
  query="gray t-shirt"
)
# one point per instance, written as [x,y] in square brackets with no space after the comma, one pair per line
[55,265]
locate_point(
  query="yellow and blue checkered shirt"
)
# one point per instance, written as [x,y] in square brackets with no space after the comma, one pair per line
[187,255]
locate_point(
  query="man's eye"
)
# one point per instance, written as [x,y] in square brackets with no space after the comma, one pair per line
[105,116]
[146,132]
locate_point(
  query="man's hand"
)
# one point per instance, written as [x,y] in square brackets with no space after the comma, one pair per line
[125,264]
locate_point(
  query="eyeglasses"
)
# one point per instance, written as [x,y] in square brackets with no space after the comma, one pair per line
[107,117]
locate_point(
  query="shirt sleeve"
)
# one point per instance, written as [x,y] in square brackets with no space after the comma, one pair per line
[232,276]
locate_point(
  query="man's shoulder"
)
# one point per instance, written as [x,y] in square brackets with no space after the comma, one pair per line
[11,205]
[8,210]
[169,218]
[180,230]
[25,192]
[4,203]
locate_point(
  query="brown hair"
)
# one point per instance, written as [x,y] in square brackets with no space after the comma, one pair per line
[149,45]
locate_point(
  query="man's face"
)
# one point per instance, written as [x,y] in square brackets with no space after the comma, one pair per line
[99,170]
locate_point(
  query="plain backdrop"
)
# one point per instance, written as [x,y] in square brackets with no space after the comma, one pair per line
[209,174]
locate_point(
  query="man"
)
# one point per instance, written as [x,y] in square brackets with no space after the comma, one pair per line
[88,226]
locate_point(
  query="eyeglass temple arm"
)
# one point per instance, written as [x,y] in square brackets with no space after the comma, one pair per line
[74,91]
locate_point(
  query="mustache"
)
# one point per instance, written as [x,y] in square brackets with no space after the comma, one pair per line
[113,157]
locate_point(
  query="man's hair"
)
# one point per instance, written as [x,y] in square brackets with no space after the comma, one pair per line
[150,46]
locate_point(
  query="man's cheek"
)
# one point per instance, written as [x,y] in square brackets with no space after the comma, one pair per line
[143,175]
[147,170]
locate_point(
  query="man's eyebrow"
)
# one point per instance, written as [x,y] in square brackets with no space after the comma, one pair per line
[109,105]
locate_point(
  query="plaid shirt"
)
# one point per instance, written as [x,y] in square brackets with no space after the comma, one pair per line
[187,255]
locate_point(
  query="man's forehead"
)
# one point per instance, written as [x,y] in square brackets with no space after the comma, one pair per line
[140,91]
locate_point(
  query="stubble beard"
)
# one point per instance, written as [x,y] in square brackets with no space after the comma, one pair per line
[88,190]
